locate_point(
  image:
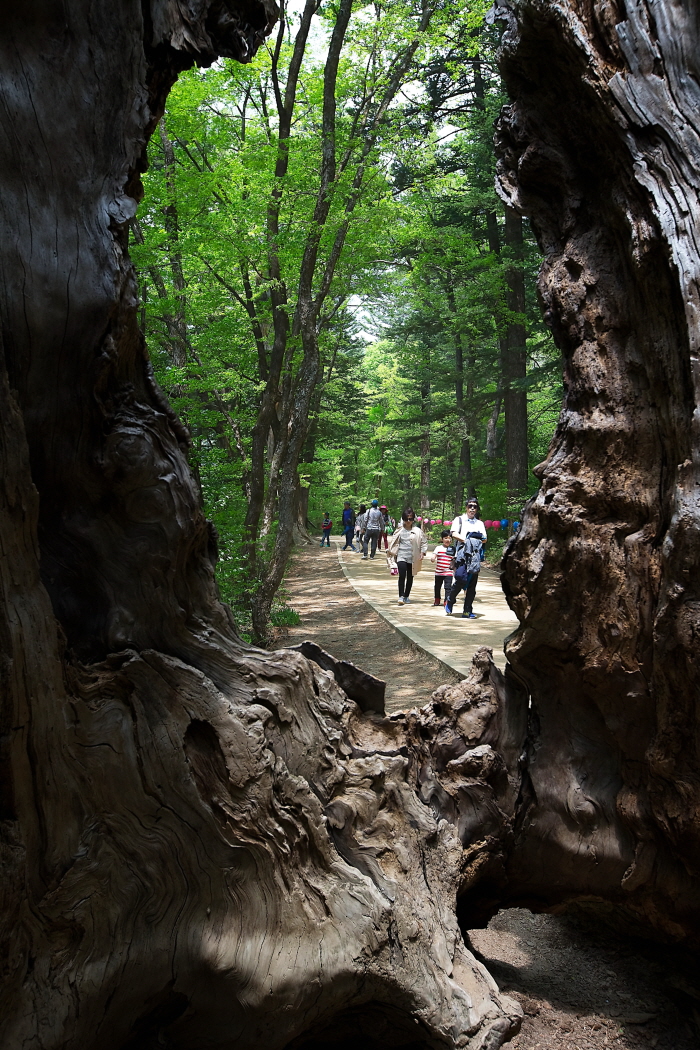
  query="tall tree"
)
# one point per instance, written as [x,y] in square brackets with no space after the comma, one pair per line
[288,278]
[514,359]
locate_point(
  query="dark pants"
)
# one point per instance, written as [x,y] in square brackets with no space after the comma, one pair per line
[370,537]
[439,580]
[382,536]
[467,581]
[348,533]
[326,535]
[405,578]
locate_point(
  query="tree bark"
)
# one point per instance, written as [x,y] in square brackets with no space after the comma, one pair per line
[514,360]
[600,148]
[202,844]
[425,452]
[464,412]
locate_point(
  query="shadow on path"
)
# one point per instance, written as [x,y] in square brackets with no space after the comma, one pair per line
[450,639]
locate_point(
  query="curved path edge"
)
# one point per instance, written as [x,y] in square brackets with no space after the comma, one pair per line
[452,654]
[402,628]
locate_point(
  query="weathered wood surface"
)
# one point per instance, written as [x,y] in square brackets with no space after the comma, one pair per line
[207,845]
[367,691]
[202,844]
[601,148]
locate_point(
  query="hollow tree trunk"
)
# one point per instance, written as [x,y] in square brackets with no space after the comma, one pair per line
[601,148]
[202,844]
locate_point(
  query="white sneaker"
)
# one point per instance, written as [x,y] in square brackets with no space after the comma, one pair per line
[402,601]
[407,601]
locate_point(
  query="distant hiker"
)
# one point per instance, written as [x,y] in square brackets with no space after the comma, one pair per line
[408,545]
[348,525]
[388,527]
[469,534]
[360,525]
[442,556]
[326,526]
[374,524]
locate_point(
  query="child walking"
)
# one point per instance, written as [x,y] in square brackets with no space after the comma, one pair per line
[442,556]
[326,526]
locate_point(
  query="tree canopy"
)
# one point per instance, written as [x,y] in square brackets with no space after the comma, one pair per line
[334,298]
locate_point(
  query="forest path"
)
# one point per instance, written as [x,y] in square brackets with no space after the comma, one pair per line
[582,987]
[336,617]
[450,639]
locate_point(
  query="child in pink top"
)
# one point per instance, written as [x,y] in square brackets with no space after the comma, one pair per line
[442,556]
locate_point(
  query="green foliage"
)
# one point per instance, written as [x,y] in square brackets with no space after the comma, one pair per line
[441,313]
[407,279]
[284,616]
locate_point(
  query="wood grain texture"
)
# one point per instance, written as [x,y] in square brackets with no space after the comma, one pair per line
[601,148]
[202,844]
[207,845]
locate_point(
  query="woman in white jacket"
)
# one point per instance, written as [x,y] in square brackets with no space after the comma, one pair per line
[408,546]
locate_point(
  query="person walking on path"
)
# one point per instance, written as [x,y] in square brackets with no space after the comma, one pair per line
[348,525]
[373,529]
[388,527]
[408,546]
[360,525]
[326,526]
[442,556]
[469,533]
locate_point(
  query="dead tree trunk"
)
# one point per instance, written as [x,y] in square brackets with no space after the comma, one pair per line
[202,844]
[601,149]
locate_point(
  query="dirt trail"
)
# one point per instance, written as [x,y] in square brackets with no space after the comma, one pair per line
[333,615]
[582,987]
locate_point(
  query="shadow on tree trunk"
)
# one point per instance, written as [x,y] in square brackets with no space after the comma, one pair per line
[208,844]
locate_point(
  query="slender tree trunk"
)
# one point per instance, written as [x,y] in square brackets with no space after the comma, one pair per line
[425,476]
[512,357]
[301,531]
[492,427]
[425,454]
[515,361]
[464,461]
[494,240]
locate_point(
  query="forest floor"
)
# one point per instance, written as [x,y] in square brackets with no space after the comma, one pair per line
[581,985]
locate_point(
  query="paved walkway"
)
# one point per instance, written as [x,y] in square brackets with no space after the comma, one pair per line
[450,639]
